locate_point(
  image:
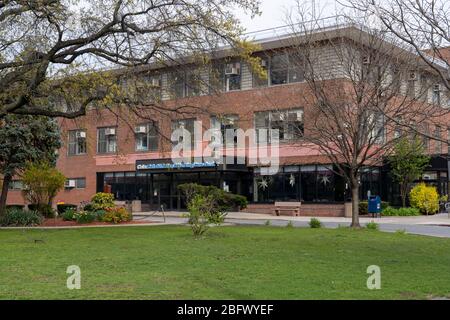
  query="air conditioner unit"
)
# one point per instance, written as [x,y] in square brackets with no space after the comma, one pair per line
[366,60]
[81,135]
[140,129]
[413,76]
[155,82]
[110,132]
[71,183]
[233,69]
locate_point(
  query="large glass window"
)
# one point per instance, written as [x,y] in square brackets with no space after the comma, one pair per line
[107,140]
[77,142]
[289,123]
[147,137]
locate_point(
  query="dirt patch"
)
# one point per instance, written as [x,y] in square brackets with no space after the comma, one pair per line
[61,223]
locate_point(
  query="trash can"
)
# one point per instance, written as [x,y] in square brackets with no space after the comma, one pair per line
[374,205]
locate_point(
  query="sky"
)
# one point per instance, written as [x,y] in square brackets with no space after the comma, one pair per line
[274,13]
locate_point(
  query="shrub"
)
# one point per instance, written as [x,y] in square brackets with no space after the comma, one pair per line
[290,225]
[267,223]
[425,198]
[85,217]
[315,223]
[372,226]
[44,209]
[89,207]
[401,212]
[15,206]
[62,207]
[100,214]
[225,200]
[20,218]
[69,215]
[42,182]
[364,207]
[116,215]
[203,211]
[102,201]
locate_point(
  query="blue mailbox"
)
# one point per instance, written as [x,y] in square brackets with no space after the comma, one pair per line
[374,204]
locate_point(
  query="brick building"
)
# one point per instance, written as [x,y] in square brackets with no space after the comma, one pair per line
[128,154]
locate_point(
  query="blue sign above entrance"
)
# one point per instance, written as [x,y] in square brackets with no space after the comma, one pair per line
[173,166]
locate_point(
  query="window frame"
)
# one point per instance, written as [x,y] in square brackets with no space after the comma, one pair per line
[287,125]
[76,143]
[150,126]
[106,140]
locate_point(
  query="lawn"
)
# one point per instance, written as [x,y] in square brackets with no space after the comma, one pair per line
[230,263]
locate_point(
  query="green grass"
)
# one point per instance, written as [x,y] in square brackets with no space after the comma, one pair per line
[230,263]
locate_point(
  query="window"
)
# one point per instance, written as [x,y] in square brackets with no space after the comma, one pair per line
[188,125]
[286,68]
[77,142]
[193,84]
[223,124]
[279,69]
[412,85]
[437,142]
[107,140]
[259,81]
[152,88]
[288,122]
[424,136]
[75,183]
[233,76]
[177,86]
[15,185]
[376,123]
[437,94]
[146,137]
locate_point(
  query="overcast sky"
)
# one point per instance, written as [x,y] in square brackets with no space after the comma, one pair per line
[274,13]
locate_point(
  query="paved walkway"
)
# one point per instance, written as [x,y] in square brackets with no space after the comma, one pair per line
[436,226]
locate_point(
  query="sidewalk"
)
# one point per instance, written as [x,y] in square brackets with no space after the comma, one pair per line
[440,219]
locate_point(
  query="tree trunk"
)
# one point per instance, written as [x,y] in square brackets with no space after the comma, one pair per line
[403,191]
[355,204]
[6,180]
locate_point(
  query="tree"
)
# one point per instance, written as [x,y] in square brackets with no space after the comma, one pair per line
[422,25]
[408,162]
[59,57]
[355,107]
[25,139]
[42,183]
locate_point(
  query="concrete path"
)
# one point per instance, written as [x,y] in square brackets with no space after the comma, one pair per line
[436,226]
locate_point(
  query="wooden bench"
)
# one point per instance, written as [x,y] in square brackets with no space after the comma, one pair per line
[287,208]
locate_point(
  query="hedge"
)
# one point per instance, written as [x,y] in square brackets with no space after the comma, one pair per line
[224,199]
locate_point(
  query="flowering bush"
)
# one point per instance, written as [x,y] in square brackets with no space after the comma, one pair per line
[102,201]
[116,215]
[425,198]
